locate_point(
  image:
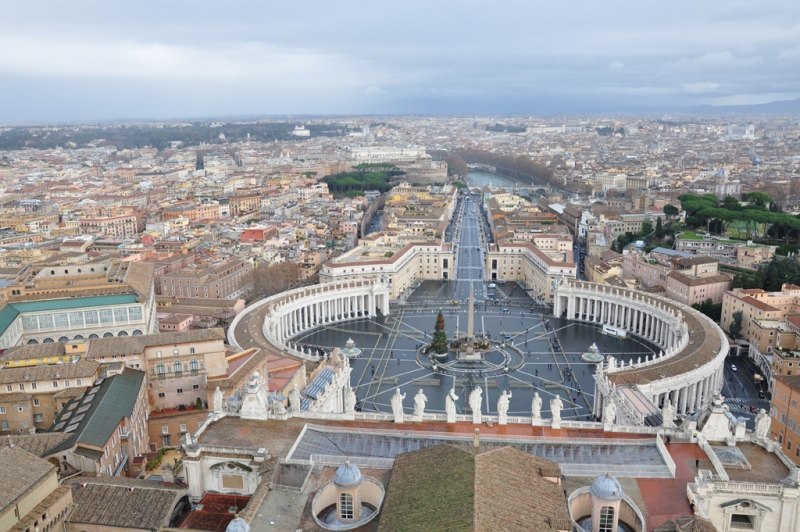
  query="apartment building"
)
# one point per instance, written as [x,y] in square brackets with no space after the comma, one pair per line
[230,280]
[785,428]
[244,203]
[32,499]
[108,426]
[120,226]
[742,254]
[757,304]
[36,382]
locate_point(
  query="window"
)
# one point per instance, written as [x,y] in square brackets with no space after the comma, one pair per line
[180,390]
[66,383]
[21,387]
[606,519]
[9,387]
[177,366]
[174,352]
[33,386]
[35,402]
[193,365]
[191,350]
[346,506]
[195,386]
[183,427]
[55,384]
[791,424]
[161,395]
[37,418]
[158,354]
[4,424]
[2,410]
[164,430]
[78,382]
[794,403]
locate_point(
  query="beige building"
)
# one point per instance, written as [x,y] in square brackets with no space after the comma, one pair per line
[536,271]
[759,304]
[232,279]
[30,497]
[383,257]
[31,396]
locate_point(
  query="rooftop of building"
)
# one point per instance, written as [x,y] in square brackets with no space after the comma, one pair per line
[93,417]
[19,472]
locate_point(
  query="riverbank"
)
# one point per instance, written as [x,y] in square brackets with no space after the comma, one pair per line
[477,178]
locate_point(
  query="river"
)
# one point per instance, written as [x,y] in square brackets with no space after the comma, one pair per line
[478,178]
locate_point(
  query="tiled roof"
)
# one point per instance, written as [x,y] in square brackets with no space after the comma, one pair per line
[698,281]
[82,368]
[36,444]
[121,503]
[759,304]
[132,345]
[140,277]
[19,471]
[460,488]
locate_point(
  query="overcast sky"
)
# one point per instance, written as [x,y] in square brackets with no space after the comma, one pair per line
[81,60]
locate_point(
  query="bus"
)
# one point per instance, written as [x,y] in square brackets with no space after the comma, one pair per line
[616,333]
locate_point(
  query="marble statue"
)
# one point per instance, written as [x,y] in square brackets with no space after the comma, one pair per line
[419,404]
[218,400]
[349,400]
[450,405]
[555,407]
[294,398]
[536,406]
[763,421]
[397,405]
[502,408]
[502,403]
[610,412]
[668,415]
[475,400]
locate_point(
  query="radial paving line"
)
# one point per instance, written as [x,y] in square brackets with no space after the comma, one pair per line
[392,337]
[372,354]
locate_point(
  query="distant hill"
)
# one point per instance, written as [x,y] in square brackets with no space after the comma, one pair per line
[786,107]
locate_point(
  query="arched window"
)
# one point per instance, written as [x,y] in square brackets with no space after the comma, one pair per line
[93,336]
[177,366]
[193,365]
[108,335]
[137,332]
[47,341]
[78,337]
[63,339]
[345,506]
[160,368]
[122,333]
[606,519]
[32,341]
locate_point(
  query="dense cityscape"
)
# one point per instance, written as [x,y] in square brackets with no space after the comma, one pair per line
[421,266]
[214,325]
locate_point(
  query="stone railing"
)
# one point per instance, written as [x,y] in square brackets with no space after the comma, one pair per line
[714,460]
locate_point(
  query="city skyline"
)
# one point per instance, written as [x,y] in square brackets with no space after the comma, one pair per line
[149,61]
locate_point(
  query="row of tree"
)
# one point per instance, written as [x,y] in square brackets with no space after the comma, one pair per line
[362,179]
[761,215]
[521,168]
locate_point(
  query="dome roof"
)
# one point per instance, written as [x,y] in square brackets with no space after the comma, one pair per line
[238,525]
[606,488]
[348,475]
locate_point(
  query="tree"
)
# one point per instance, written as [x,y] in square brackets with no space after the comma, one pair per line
[647,228]
[659,228]
[456,165]
[707,307]
[735,328]
[670,210]
[199,404]
[271,279]
[439,342]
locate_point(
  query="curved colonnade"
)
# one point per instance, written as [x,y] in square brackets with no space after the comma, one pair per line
[295,311]
[689,368]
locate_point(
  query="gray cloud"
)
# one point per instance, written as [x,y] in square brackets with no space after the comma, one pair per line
[87,60]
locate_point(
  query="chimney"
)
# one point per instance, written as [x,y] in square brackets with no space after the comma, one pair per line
[476,441]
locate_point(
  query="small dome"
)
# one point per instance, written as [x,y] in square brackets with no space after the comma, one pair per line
[348,475]
[238,525]
[606,489]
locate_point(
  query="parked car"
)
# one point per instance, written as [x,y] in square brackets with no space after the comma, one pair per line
[734,368]
[761,395]
[491,285]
